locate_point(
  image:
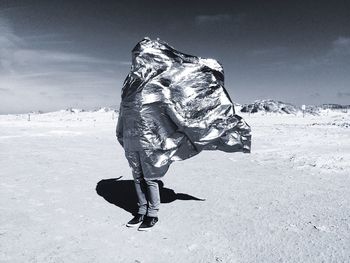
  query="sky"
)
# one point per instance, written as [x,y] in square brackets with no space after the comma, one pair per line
[60,54]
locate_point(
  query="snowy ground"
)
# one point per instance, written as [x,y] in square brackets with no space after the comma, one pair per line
[287,201]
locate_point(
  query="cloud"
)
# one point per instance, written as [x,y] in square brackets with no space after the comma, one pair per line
[342,41]
[8,44]
[337,55]
[5,91]
[27,56]
[271,51]
[341,46]
[218,18]
[46,73]
[17,51]
[204,19]
[343,94]
[315,95]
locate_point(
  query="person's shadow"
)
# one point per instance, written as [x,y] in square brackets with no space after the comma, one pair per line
[122,193]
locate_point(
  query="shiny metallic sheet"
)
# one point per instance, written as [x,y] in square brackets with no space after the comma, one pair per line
[174,106]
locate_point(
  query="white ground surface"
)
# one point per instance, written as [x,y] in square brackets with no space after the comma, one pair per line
[287,201]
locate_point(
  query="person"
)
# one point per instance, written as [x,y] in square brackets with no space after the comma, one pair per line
[173,106]
[147,190]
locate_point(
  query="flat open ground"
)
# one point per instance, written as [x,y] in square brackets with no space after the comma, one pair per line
[287,201]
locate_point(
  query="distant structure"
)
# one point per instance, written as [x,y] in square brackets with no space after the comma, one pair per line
[303,107]
[332,106]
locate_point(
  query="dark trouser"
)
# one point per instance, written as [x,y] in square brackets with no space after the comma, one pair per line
[147,190]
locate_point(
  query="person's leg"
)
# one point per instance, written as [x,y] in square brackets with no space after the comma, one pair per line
[151,173]
[140,185]
[153,198]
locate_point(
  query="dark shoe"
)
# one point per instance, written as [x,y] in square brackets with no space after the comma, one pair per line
[135,221]
[148,223]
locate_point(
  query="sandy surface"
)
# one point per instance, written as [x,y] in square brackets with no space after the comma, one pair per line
[287,201]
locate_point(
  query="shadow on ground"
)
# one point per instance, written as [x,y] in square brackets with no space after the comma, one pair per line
[122,193]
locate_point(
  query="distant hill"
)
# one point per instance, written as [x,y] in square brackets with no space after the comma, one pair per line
[261,106]
[273,106]
[270,106]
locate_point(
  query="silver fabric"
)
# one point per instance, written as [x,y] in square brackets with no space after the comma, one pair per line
[174,106]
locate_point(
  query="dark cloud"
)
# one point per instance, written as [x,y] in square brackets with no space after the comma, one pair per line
[315,95]
[219,19]
[209,19]
[341,46]
[5,91]
[343,94]
[271,51]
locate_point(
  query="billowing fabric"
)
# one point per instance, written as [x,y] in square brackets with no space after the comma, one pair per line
[175,105]
[142,167]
